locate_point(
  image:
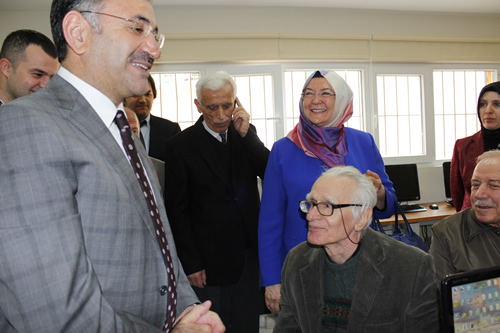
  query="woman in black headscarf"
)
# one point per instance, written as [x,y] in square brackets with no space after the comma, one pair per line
[468,149]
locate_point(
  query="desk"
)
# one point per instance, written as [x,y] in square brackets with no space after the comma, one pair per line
[445,210]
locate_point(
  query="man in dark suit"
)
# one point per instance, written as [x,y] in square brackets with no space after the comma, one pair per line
[155,131]
[213,202]
[78,245]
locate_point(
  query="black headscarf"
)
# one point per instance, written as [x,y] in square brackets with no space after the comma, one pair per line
[491,137]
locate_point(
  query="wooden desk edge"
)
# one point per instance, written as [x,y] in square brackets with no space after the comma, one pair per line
[445,210]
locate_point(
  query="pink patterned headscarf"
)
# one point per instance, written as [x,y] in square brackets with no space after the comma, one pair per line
[326,143]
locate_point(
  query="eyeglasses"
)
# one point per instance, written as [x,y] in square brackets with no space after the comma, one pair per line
[324,208]
[141,26]
[323,96]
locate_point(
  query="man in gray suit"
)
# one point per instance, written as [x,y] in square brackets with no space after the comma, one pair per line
[78,248]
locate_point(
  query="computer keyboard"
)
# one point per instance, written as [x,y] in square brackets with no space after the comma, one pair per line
[411,208]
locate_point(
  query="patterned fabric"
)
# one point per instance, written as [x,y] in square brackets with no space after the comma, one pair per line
[129,145]
[338,289]
[336,312]
[326,143]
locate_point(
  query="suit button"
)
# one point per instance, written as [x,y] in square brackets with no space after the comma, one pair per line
[163,290]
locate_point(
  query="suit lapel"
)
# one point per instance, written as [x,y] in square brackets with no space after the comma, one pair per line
[312,298]
[369,276]
[81,115]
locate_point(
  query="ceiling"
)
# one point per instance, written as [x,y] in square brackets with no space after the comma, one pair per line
[447,6]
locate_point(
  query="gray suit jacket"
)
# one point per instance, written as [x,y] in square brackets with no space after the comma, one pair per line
[77,245]
[394,290]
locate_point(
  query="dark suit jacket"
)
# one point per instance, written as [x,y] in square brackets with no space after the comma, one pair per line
[160,172]
[210,217]
[462,167]
[395,289]
[78,247]
[160,131]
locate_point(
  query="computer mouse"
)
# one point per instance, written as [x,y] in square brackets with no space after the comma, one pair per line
[433,206]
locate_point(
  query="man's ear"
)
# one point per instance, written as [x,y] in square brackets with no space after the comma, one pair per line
[77,32]
[198,105]
[364,219]
[6,67]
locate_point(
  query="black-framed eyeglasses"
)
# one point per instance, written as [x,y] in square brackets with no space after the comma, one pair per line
[324,208]
[141,26]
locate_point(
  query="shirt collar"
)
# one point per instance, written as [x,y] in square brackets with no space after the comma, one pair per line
[104,107]
[147,120]
[214,133]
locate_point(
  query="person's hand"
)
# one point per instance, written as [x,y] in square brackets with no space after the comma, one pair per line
[273,296]
[198,318]
[241,119]
[198,279]
[379,188]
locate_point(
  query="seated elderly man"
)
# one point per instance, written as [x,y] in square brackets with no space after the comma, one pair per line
[470,239]
[350,278]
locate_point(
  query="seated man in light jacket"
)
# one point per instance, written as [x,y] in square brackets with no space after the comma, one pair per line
[350,278]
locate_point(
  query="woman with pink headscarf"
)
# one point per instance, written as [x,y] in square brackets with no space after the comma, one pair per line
[318,142]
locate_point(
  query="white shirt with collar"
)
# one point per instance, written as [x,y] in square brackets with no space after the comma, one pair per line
[105,108]
[214,134]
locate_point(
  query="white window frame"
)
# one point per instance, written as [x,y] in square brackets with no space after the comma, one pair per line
[369,73]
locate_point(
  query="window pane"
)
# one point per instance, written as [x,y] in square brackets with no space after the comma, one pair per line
[175,99]
[455,106]
[177,91]
[255,93]
[400,115]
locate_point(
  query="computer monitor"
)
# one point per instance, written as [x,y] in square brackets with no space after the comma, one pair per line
[446,175]
[404,178]
[471,301]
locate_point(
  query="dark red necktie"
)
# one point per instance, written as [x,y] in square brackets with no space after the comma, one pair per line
[140,173]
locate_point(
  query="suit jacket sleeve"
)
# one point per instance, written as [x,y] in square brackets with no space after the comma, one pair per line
[422,314]
[287,322]
[47,281]
[259,154]
[177,202]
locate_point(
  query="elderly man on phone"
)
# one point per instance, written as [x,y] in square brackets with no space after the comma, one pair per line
[213,202]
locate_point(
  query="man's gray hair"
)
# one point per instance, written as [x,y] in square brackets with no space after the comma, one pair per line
[214,81]
[363,194]
[488,155]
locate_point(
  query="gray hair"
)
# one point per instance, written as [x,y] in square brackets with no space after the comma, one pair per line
[214,81]
[363,194]
[488,155]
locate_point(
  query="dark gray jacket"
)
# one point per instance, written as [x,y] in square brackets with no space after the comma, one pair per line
[395,289]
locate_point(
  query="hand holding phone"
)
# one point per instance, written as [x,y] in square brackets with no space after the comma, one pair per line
[241,119]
